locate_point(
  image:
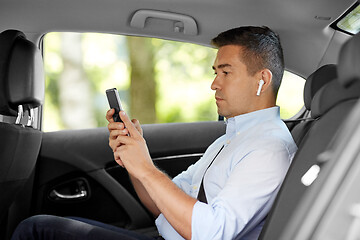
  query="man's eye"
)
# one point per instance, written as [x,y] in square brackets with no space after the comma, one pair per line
[225,73]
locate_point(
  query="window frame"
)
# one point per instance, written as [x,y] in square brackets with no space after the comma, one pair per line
[297,115]
[335,26]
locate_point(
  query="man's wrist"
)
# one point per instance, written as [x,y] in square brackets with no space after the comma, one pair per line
[149,173]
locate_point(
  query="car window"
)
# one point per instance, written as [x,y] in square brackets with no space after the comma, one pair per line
[159,81]
[291,95]
[349,22]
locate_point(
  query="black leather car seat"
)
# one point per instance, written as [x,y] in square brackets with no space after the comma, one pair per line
[313,83]
[322,197]
[21,90]
[330,107]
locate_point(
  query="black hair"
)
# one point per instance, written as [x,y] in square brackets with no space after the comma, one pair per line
[262,49]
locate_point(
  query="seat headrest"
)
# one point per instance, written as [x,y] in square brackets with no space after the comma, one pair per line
[21,73]
[347,85]
[316,80]
[330,95]
[349,61]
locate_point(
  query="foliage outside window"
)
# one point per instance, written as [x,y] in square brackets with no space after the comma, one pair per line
[159,81]
[351,22]
[291,95]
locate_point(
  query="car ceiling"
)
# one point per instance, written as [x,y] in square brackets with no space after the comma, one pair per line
[303,25]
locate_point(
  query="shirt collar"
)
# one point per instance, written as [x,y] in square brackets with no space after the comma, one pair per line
[238,124]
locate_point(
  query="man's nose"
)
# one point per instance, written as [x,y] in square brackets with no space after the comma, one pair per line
[215,84]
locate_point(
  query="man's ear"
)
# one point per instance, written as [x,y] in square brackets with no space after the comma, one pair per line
[266,76]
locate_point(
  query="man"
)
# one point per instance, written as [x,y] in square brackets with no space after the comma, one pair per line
[230,190]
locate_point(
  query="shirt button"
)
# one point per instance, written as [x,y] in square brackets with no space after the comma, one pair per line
[238,133]
[228,141]
[194,187]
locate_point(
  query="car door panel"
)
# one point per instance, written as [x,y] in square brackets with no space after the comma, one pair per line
[75,161]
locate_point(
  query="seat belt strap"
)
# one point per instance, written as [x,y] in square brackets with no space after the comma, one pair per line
[201,195]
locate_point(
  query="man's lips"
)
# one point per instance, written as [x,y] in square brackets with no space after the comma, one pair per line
[218,98]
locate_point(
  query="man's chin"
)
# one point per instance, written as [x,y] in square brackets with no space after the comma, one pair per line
[220,113]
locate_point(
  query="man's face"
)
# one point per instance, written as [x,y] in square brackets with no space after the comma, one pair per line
[235,89]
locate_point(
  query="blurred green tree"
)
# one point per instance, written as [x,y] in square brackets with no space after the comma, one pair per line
[75,91]
[142,79]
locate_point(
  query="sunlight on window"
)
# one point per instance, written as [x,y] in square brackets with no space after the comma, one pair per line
[351,22]
[80,67]
[290,97]
[182,74]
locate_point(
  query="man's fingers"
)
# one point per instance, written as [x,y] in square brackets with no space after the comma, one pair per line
[109,115]
[114,133]
[123,140]
[113,138]
[129,125]
[137,126]
[116,126]
[118,159]
[113,143]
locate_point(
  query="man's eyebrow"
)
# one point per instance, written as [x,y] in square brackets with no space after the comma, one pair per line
[221,66]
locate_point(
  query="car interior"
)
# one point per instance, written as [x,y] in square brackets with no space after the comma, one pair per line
[72,172]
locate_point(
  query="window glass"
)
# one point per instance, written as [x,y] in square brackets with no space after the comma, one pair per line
[351,22]
[159,81]
[291,95]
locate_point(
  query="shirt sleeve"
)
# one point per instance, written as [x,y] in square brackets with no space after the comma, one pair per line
[185,182]
[246,198]
[188,181]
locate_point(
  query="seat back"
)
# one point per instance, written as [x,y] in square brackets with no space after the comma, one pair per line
[328,209]
[21,90]
[330,107]
[313,83]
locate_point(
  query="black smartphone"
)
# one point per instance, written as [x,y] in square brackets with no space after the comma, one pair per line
[114,102]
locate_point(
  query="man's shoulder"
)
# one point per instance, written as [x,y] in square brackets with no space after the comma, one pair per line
[269,137]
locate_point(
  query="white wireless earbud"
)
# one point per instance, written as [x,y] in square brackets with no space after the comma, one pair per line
[261,83]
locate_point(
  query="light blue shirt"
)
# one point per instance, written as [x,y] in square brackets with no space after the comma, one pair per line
[242,182]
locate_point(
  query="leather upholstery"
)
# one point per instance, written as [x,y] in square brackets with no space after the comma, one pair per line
[333,103]
[22,83]
[21,73]
[316,80]
[330,95]
[349,61]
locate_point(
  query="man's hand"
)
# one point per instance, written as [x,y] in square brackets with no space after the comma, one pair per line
[131,148]
[154,188]
[118,129]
